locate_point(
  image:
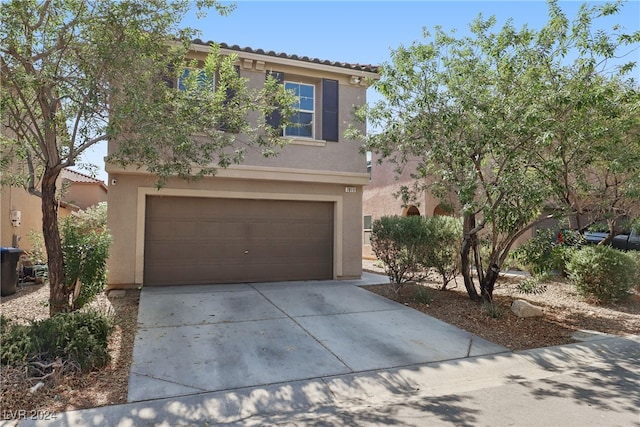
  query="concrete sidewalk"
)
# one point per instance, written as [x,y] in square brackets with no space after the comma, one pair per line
[594,383]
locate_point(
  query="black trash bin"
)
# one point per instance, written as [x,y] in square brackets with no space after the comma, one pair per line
[8,275]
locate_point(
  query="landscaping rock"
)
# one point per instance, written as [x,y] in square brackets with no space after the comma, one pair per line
[524,309]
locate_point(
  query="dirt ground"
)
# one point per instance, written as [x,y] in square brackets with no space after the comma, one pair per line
[106,386]
[564,313]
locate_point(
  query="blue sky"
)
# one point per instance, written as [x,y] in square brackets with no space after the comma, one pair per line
[364,32]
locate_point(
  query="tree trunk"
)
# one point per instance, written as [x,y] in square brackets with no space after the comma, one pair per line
[465,251]
[488,284]
[58,296]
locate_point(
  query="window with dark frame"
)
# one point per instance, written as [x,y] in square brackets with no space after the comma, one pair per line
[305,120]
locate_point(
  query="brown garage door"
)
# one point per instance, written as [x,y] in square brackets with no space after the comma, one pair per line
[190,240]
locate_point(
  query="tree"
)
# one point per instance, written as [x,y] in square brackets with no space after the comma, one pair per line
[79,72]
[475,113]
[591,132]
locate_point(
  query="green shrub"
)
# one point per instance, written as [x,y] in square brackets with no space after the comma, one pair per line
[38,252]
[492,310]
[18,345]
[443,237]
[81,337]
[85,247]
[544,253]
[398,242]
[410,246]
[602,272]
[534,285]
[536,254]
[423,295]
[560,255]
[635,258]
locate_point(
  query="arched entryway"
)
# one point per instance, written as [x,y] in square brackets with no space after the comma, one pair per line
[442,210]
[411,211]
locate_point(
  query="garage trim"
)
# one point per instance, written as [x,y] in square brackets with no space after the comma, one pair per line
[143,192]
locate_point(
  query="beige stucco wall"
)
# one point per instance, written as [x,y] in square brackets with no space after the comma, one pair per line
[85,194]
[16,198]
[127,212]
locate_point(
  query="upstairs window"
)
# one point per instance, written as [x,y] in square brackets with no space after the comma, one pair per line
[203,80]
[302,122]
[323,95]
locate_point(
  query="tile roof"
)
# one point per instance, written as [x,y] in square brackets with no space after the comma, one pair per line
[76,176]
[355,67]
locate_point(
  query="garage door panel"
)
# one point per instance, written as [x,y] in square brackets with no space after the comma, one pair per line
[219,251]
[209,229]
[201,240]
[164,251]
[235,230]
[160,229]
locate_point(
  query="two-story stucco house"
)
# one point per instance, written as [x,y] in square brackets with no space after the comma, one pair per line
[296,216]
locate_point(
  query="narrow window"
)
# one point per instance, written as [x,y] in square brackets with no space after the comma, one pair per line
[367,229]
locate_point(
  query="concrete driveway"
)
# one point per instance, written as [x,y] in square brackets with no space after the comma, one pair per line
[196,339]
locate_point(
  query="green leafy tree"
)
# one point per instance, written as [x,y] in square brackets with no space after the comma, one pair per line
[474,112]
[76,73]
[590,137]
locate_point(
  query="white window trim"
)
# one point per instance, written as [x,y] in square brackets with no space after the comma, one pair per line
[313,113]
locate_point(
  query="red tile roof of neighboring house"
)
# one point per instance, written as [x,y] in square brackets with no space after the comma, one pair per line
[80,178]
[354,67]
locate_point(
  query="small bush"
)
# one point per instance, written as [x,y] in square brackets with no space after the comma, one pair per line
[534,285]
[397,242]
[547,251]
[536,254]
[18,345]
[602,273]
[81,337]
[38,252]
[635,258]
[85,246]
[423,295]
[443,237]
[492,310]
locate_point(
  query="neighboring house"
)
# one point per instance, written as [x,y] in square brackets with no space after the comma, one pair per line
[78,191]
[296,216]
[82,190]
[380,198]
